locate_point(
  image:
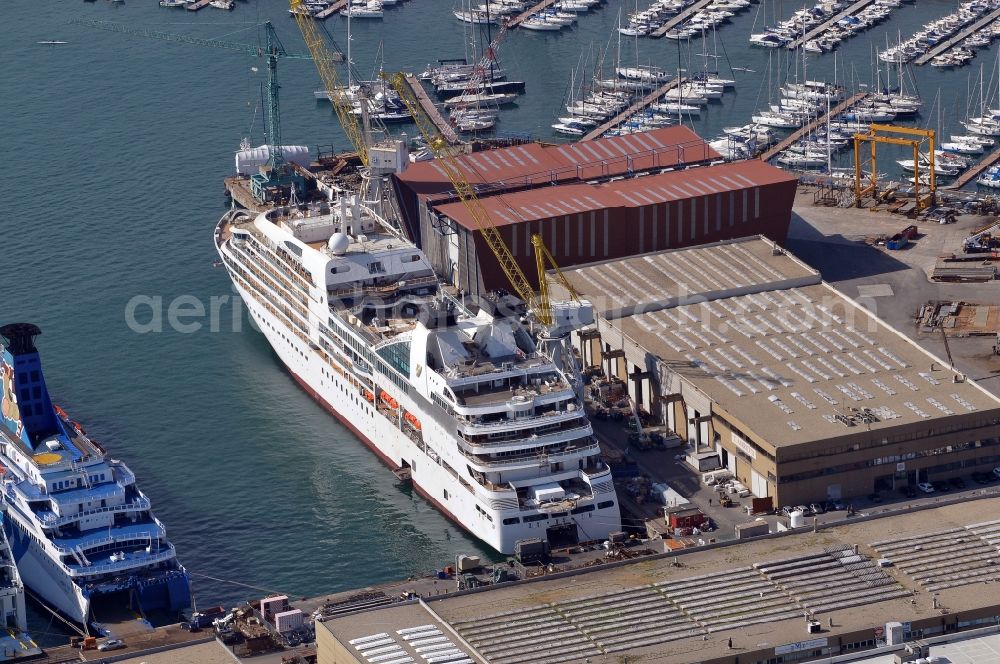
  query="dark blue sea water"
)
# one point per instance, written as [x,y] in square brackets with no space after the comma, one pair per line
[114,153]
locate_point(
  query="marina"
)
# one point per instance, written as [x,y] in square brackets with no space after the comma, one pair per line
[822,28]
[530,12]
[431,109]
[333,8]
[636,107]
[812,125]
[959,37]
[399,520]
[972,173]
[680,18]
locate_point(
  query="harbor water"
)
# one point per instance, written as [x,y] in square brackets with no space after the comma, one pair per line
[116,146]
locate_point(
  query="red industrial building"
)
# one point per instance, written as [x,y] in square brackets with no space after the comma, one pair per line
[650,200]
[541,165]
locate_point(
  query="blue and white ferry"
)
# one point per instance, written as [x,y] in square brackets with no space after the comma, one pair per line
[83,535]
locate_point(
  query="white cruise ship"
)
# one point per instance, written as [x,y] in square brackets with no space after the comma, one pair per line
[488,428]
[82,534]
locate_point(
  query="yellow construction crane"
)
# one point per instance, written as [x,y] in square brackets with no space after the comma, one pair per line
[877,134]
[356,134]
[538,303]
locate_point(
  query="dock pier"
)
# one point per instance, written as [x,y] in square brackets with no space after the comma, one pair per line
[790,140]
[195,6]
[443,126]
[529,12]
[331,10]
[955,39]
[971,174]
[680,18]
[641,104]
[825,25]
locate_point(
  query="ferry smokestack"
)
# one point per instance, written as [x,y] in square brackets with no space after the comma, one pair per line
[20,337]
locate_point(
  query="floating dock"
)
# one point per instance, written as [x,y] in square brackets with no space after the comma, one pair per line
[810,126]
[195,6]
[431,110]
[331,10]
[971,174]
[955,39]
[643,103]
[528,13]
[825,25]
[680,18]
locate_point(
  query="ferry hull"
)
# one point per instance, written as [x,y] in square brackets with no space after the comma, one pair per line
[169,592]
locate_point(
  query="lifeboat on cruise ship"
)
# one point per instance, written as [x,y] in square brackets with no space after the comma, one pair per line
[60,412]
[369,396]
[387,399]
[412,420]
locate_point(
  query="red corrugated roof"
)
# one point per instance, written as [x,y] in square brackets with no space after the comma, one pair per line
[554,201]
[523,165]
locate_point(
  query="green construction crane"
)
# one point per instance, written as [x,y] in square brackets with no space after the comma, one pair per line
[268,184]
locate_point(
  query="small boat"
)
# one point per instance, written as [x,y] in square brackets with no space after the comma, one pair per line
[223,4]
[371,10]
[174,3]
[939,169]
[482,98]
[569,129]
[800,160]
[644,74]
[475,16]
[579,120]
[676,107]
[51,42]
[985,141]
[990,178]
[538,23]
[777,120]
[963,147]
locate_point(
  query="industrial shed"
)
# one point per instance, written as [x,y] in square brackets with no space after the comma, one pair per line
[585,222]
[804,395]
[535,165]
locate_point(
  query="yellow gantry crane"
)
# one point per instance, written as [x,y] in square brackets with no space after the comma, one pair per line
[356,133]
[539,302]
[877,134]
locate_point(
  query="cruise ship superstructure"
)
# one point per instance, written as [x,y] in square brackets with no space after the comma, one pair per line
[487,426]
[83,535]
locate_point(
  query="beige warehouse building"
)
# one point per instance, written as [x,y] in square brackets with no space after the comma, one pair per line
[804,395]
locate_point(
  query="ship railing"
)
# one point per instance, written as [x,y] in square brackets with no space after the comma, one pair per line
[382,290]
[61,499]
[50,519]
[167,552]
[124,475]
[460,377]
[110,539]
[541,459]
[553,417]
[545,438]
